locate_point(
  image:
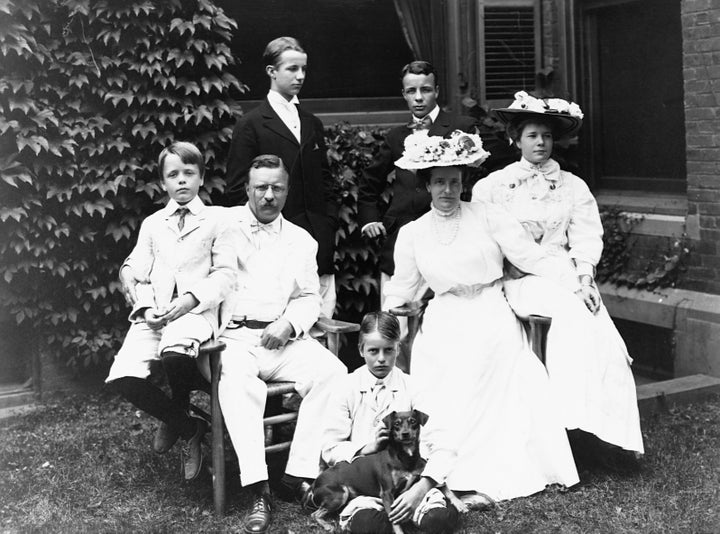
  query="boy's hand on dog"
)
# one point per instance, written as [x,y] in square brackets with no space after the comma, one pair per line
[404,506]
[382,435]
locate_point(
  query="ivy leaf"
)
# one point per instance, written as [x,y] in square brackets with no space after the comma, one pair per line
[36,143]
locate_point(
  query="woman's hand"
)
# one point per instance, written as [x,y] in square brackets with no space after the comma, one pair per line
[382,435]
[590,295]
[403,508]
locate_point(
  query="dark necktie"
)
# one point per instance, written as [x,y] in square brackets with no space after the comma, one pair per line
[182,212]
[423,124]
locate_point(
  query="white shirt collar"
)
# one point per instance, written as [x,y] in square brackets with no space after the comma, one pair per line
[369,380]
[433,115]
[277,99]
[195,206]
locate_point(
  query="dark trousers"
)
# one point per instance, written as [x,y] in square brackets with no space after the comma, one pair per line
[183,377]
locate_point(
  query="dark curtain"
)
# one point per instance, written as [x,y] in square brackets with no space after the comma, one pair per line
[422,22]
[416,21]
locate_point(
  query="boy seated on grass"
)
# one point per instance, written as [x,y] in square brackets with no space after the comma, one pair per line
[354,427]
[181,270]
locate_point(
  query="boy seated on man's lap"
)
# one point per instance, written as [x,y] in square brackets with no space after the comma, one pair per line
[181,270]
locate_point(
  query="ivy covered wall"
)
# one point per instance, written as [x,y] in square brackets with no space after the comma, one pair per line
[90,93]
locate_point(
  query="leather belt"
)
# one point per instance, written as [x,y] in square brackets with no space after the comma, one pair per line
[248,323]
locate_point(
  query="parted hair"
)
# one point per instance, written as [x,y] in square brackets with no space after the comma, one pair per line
[276,47]
[516,126]
[379,321]
[188,153]
[268,161]
[419,67]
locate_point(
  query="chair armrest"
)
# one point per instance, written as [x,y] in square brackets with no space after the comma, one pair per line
[211,345]
[409,309]
[333,326]
[331,329]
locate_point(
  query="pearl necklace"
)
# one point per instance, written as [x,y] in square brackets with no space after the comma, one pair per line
[445,224]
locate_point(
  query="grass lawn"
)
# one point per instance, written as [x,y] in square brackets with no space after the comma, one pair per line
[85,464]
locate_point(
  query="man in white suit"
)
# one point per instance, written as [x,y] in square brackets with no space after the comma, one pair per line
[277,303]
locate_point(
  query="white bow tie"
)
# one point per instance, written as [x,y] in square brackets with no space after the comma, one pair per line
[257,226]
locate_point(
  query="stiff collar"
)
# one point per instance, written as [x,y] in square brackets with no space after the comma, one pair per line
[195,206]
[276,99]
[369,380]
[433,115]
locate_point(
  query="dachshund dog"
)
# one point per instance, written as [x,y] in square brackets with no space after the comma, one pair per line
[384,474]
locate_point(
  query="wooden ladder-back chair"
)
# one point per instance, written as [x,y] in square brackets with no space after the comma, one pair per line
[330,330]
[536,326]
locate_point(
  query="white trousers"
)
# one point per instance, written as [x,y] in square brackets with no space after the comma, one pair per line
[143,345]
[245,368]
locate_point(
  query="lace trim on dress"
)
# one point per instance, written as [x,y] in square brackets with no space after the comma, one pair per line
[445,224]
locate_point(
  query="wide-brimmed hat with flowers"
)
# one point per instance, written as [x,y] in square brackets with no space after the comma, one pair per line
[566,115]
[461,148]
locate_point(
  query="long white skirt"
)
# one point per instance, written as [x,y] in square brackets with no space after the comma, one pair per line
[587,361]
[484,386]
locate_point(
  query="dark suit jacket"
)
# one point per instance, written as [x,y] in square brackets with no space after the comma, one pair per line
[311,202]
[410,198]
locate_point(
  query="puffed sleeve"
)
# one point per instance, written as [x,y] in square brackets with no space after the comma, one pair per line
[482,190]
[406,281]
[585,230]
[522,251]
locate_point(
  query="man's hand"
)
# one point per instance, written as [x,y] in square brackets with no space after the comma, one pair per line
[180,306]
[382,435]
[276,334]
[403,508]
[154,318]
[590,295]
[128,281]
[374,230]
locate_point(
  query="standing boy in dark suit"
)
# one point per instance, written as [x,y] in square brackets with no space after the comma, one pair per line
[410,198]
[279,126]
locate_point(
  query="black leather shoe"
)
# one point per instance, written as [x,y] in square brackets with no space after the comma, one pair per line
[164,439]
[192,453]
[258,520]
[293,489]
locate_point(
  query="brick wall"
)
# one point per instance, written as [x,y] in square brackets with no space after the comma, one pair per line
[701,72]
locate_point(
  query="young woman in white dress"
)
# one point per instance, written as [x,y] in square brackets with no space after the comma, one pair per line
[478,377]
[586,359]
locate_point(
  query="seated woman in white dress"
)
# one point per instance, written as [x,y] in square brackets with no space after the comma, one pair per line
[471,362]
[586,359]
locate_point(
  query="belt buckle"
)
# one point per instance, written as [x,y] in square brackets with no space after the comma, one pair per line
[234,324]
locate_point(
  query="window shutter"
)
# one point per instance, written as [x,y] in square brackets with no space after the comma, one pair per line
[509,50]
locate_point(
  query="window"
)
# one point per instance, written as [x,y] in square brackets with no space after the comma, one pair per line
[510,45]
[633,93]
[356,48]
[510,59]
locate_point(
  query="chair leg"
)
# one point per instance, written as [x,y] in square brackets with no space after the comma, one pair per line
[539,326]
[333,342]
[218,445]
